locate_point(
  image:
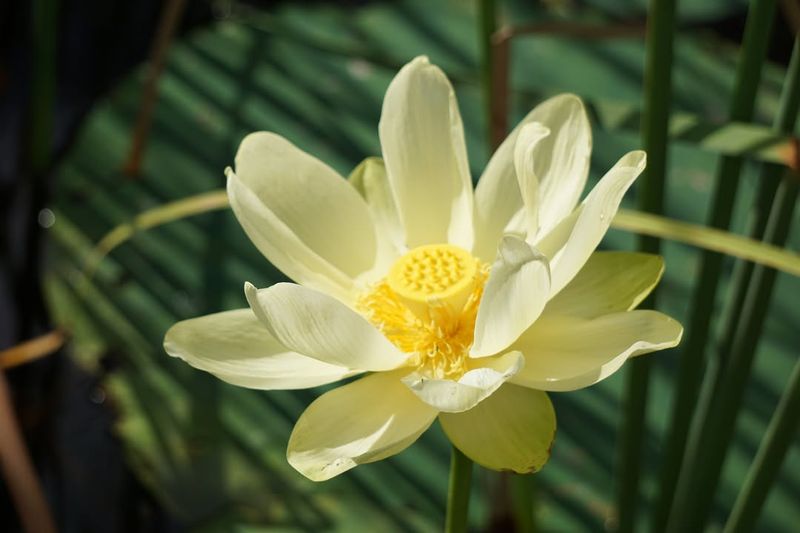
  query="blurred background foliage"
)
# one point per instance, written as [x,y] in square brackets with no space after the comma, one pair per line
[128,439]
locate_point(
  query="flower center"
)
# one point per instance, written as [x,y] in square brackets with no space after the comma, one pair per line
[427,306]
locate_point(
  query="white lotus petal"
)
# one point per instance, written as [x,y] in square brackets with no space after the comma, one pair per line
[237,348]
[562,175]
[301,214]
[512,430]
[524,165]
[319,326]
[561,160]
[361,422]
[422,139]
[568,353]
[514,296]
[577,236]
[609,282]
[475,385]
[370,180]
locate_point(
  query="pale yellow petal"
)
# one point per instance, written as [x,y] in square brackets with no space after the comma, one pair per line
[370,180]
[570,243]
[561,160]
[237,348]
[422,139]
[512,430]
[514,296]
[524,165]
[609,282]
[477,384]
[562,173]
[319,326]
[568,353]
[301,214]
[361,422]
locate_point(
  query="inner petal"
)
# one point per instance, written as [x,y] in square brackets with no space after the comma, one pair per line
[427,306]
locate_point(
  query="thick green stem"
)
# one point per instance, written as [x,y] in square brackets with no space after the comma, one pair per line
[487,24]
[767,464]
[785,421]
[655,123]
[458,493]
[676,481]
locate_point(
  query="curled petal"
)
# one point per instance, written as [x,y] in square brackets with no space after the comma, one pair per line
[570,243]
[561,164]
[514,296]
[486,376]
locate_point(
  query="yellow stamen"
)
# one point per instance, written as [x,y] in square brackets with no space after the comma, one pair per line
[427,306]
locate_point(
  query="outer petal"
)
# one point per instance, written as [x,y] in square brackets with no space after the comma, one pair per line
[301,214]
[426,158]
[512,430]
[514,296]
[237,348]
[497,196]
[319,326]
[565,353]
[572,241]
[473,387]
[361,422]
[370,180]
[609,282]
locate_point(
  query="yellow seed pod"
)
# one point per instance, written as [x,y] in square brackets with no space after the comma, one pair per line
[435,274]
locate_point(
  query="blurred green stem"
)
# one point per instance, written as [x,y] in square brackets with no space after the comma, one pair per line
[722,396]
[785,422]
[766,466]
[676,485]
[523,502]
[655,126]
[487,24]
[458,493]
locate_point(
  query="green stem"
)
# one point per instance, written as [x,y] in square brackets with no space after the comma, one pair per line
[785,422]
[458,492]
[768,461]
[676,492]
[523,500]
[655,125]
[487,25]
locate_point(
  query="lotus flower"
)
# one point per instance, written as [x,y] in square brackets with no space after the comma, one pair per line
[447,303]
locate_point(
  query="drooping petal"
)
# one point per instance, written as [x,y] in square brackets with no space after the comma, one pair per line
[512,430]
[609,282]
[570,243]
[524,165]
[514,296]
[486,376]
[301,214]
[319,326]
[562,174]
[568,353]
[422,139]
[370,180]
[237,348]
[361,422]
